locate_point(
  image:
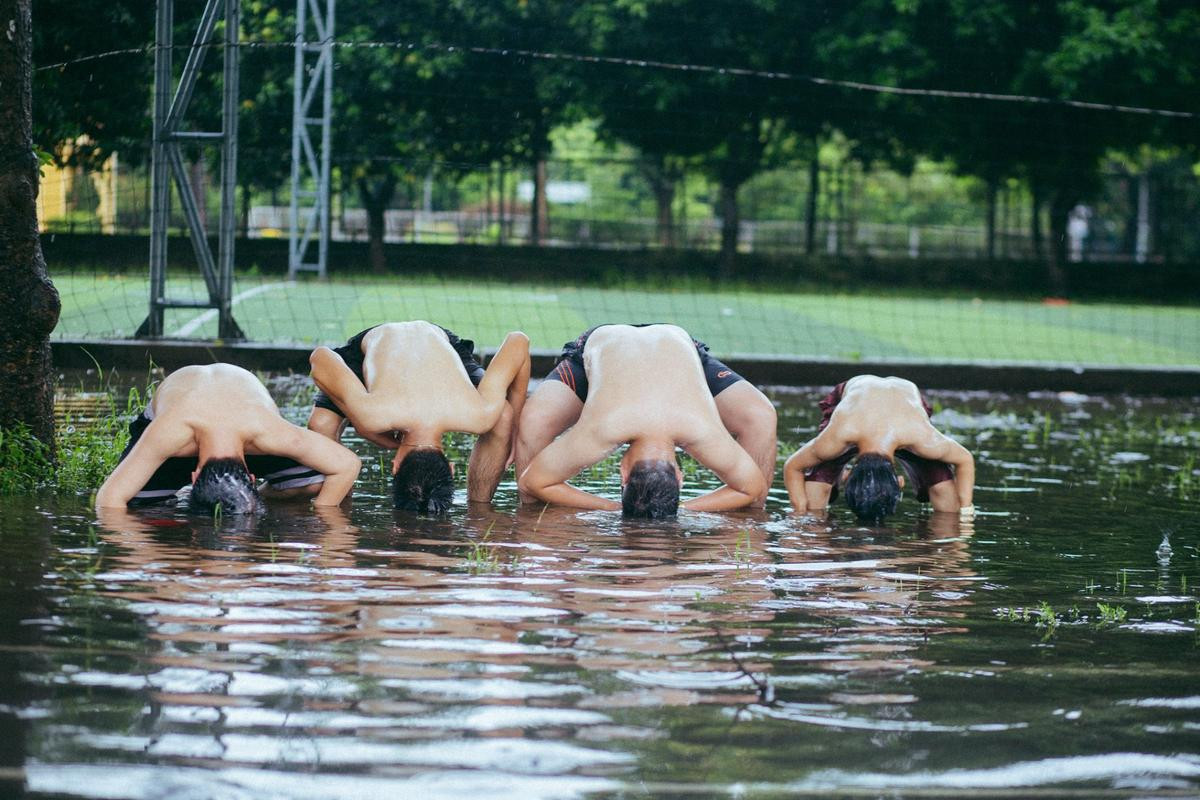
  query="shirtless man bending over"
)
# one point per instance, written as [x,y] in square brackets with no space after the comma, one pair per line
[404,384]
[880,420]
[642,385]
[215,427]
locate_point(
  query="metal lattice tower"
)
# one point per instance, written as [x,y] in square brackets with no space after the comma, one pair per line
[170,108]
[309,218]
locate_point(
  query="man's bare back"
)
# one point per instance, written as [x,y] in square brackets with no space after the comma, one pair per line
[441,394]
[885,417]
[646,380]
[415,387]
[645,387]
[220,411]
[881,414]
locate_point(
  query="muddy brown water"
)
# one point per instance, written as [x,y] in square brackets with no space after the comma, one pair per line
[1048,648]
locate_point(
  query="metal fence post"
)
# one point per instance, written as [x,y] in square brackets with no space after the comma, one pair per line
[309,209]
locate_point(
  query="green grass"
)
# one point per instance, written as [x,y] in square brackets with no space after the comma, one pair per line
[736,321]
[24,461]
[87,448]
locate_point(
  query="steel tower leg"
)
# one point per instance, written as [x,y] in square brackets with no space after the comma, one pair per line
[309,210]
[170,106]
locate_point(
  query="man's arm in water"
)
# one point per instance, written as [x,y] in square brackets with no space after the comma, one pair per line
[339,383]
[336,462]
[161,440]
[506,380]
[939,447]
[547,475]
[825,446]
[744,481]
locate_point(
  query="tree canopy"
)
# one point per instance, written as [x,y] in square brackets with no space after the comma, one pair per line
[724,87]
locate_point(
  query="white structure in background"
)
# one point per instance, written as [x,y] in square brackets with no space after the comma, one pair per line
[566,193]
[1141,245]
[1077,231]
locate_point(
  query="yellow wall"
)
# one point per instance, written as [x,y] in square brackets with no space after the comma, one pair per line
[58,183]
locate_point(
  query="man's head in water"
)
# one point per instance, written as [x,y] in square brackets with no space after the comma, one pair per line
[424,482]
[872,490]
[223,482]
[651,490]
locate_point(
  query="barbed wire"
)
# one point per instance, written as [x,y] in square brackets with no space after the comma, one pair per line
[667,65]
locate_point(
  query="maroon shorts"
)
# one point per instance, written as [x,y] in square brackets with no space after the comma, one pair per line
[922,473]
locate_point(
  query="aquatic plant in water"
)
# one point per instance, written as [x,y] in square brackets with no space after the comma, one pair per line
[1111,614]
[480,557]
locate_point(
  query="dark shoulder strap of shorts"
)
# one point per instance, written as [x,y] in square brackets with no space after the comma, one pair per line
[352,352]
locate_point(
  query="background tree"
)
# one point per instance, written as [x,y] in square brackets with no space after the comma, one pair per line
[106,102]
[29,298]
[725,122]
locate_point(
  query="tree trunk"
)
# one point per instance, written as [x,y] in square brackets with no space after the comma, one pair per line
[810,216]
[1060,207]
[1035,219]
[245,215]
[991,219]
[730,225]
[501,233]
[29,299]
[487,193]
[539,217]
[375,200]
[664,199]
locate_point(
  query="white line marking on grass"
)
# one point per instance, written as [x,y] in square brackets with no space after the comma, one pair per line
[191,326]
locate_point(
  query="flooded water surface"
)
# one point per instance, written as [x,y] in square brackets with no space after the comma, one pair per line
[1049,647]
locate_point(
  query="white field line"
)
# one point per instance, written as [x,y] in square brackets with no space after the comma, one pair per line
[191,326]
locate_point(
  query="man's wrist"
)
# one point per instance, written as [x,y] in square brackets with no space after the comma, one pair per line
[967,511]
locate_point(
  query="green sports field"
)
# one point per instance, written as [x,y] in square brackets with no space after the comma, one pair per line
[740,322]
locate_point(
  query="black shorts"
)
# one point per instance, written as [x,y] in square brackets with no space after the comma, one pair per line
[352,353]
[569,368]
[173,474]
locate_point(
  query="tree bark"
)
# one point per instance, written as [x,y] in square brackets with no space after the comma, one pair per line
[30,301]
[501,232]
[810,216]
[245,215]
[1035,219]
[375,199]
[730,226]
[991,219]
[664,199]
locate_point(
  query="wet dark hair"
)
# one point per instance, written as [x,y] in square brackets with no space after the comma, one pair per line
[225,482]
[652,491]
[872,491]
[423,483]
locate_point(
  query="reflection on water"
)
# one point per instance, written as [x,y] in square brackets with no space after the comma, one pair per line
[549,653]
